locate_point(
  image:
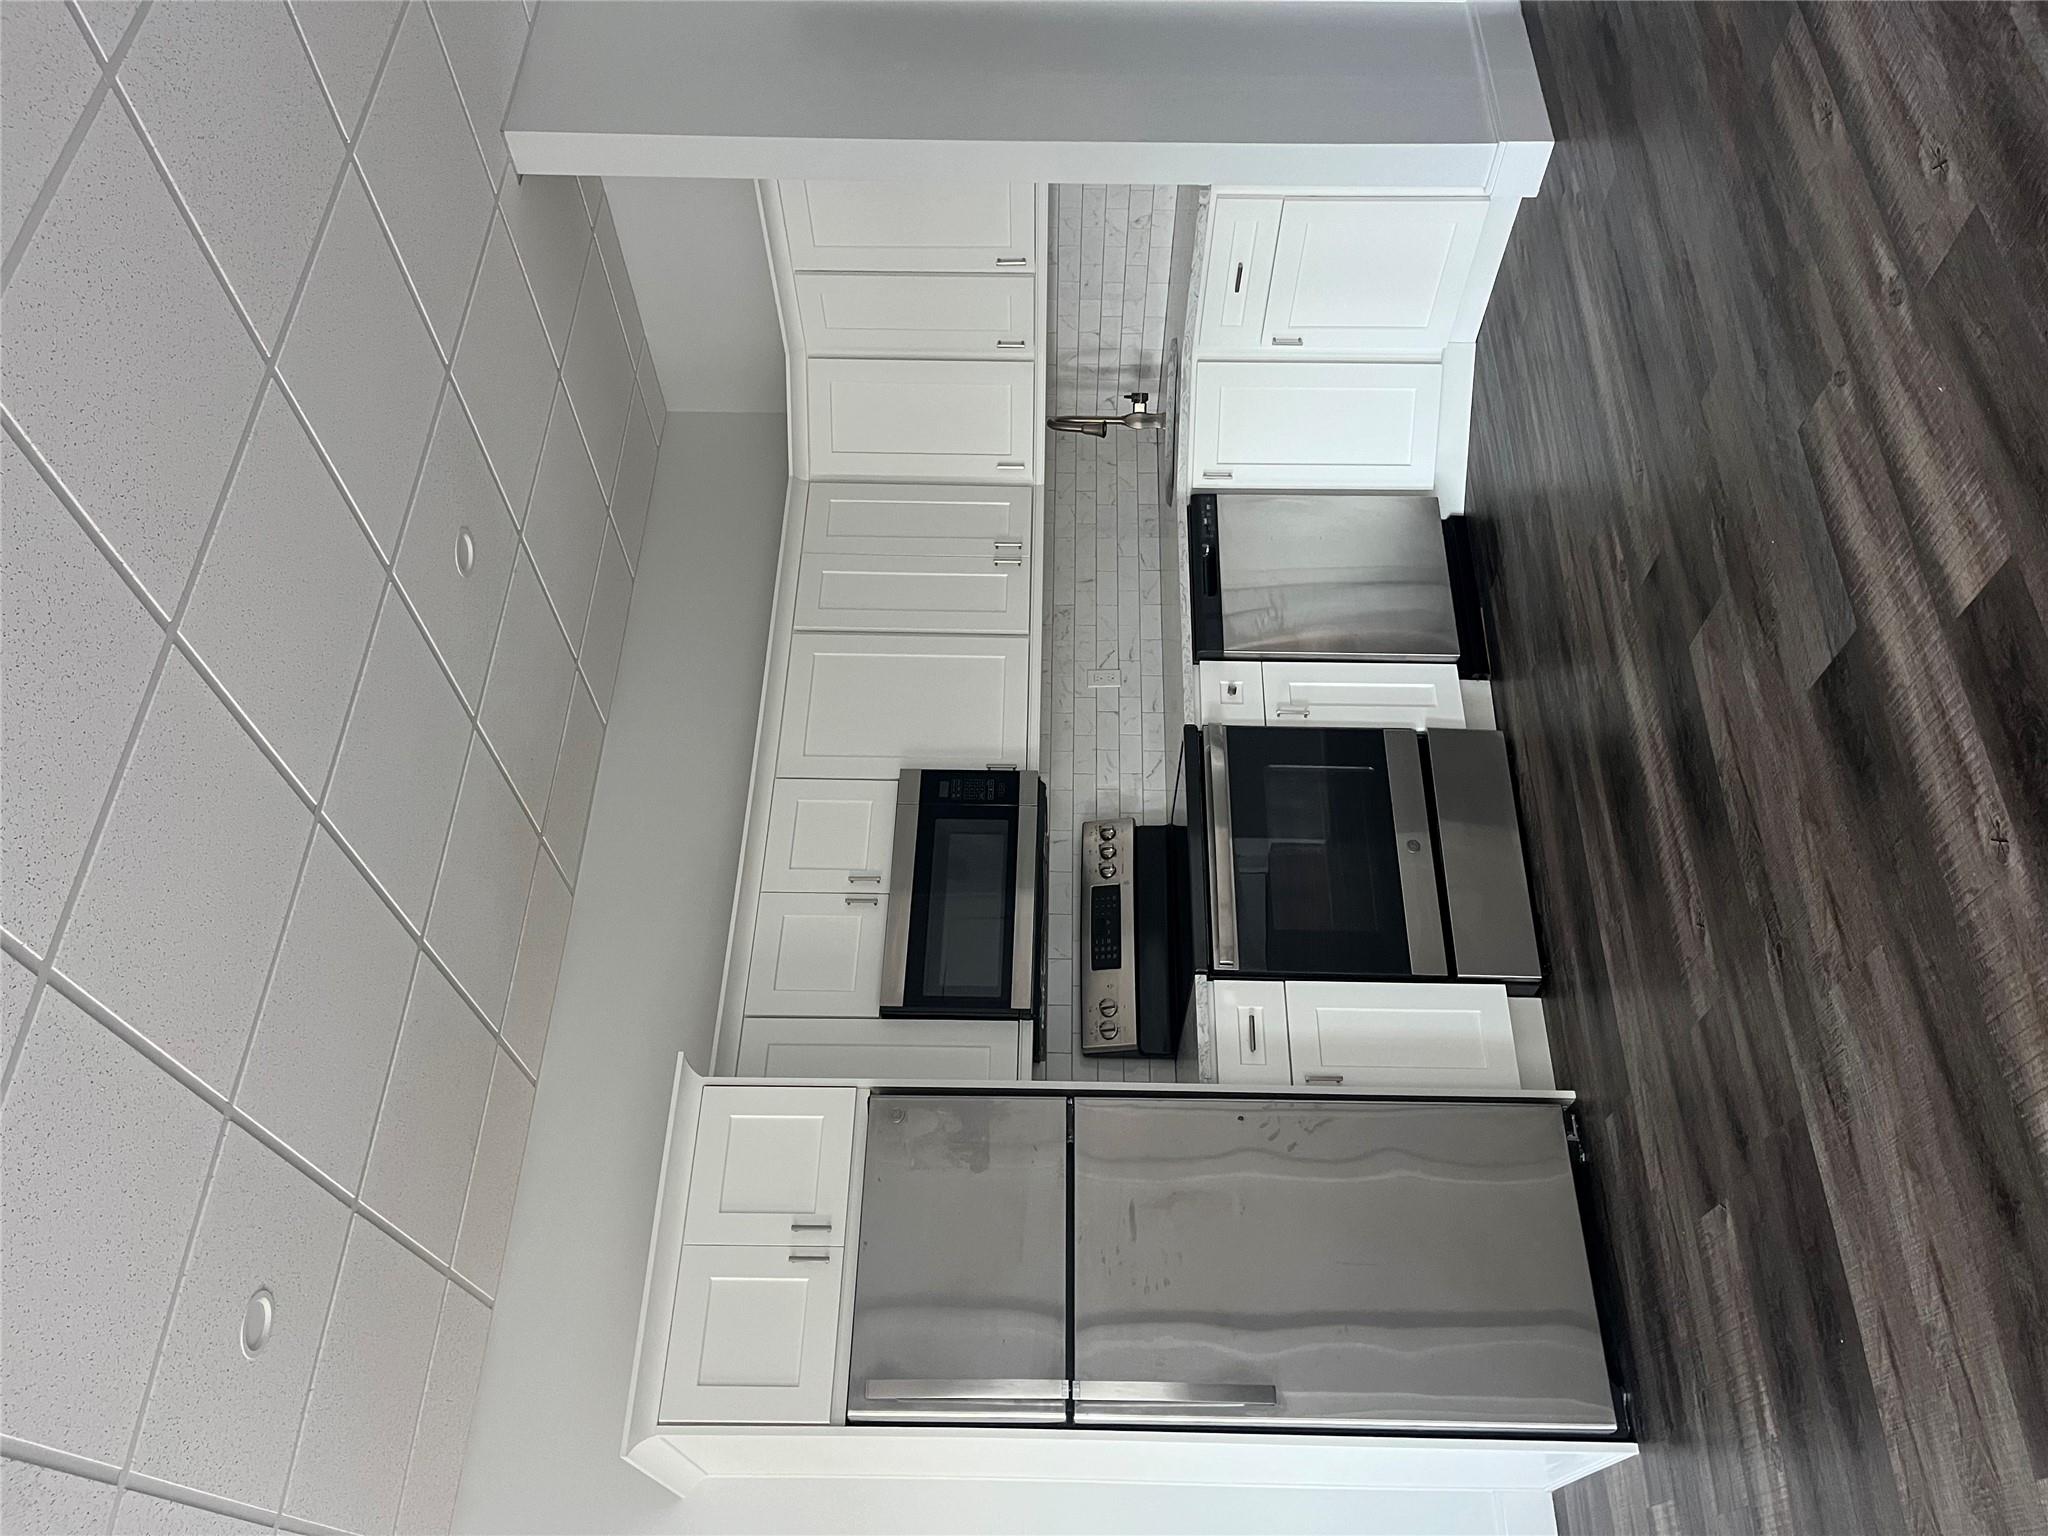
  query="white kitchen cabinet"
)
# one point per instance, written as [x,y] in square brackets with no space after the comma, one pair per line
[868,518]
[1251,1032]
[1316,425]
[816,953]
[753,1338]
[1401,1034]
[1411,694]
[910,226]
[1232,693]
[869,706]
[916,594]
[770,1165]
[900,1050]
[830,835]
[1243,234]
[1371,275]
[905,418]
[918,314]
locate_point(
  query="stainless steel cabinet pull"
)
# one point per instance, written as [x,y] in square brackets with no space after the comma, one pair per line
[1327,1079]
[1012,261]
[1007,560]
[1219,474]
[1251,1032]
[1017,544]
[810,1226]
[1286,341]
[863,901]
[1298,710]
[864,877]
[998,765]
[1001,343]
[1237,283]
[810,1256]
[1009,463]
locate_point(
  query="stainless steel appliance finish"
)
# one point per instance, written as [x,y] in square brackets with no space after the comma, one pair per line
[1337,576]
[960,1300]
[1025,917]
[1109,935]
[902,859]
[1222,866]
[1415,848]
[1317,1265]
[1479,835]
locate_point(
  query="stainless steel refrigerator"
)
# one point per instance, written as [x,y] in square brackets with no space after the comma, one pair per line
[1272,1263]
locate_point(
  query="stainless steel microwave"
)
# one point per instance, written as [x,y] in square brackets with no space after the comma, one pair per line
[966,927]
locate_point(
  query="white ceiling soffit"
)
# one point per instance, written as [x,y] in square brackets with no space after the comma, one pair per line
[699,264]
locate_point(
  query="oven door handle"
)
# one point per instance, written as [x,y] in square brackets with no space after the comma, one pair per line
[904,883]
[1024,906]
[1222,862]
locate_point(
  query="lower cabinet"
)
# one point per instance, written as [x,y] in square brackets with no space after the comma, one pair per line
[955,1050]
[1401,1034]
[754,1335]
[1365,1034]
[1316,426]
[869,706]
[816,954]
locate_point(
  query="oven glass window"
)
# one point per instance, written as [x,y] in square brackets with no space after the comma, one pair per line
[1318,876]
[966,923]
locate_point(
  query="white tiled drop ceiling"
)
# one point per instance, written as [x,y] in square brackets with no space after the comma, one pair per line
[294,798]
[1106,728]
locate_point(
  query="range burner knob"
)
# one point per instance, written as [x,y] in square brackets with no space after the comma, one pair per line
[1107,1009]
[1107,871]
[1108,833]
[1110,1031]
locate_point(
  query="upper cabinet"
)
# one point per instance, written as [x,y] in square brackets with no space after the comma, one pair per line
[918,314]
[1338,276]
[910,226]
[862,518]
[1316,425]
[906,418]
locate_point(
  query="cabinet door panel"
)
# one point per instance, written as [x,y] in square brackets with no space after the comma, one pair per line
[910,226]
[1416,695]
[1401,1034]
[754,1336]
[892,1050]
[1317,426]
[862,518]
[869,706]
[816,954]
[918,314]
[765,1159]
[1371,275]
[1251,1032]
[922,418]
[915,594]
[1238,273]
[830,835]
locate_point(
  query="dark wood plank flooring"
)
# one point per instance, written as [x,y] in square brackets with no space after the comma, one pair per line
[1760,469]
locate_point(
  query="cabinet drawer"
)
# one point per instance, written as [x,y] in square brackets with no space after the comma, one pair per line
[754,1336]
[922,418]
[816,954]
[1251,1032]
[1401,1034]
[918,314]
[869,706]
[1316,426]
[770,1165]
[1415,695]
[910,226]
[862,518]
[830,835]
[916,594]
[891,1050]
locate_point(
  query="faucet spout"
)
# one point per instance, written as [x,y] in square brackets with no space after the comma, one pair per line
[1138,420]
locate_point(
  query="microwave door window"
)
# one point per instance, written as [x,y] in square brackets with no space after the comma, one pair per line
[967,934]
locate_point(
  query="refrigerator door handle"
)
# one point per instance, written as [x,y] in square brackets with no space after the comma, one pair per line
[994,1400]
[1111,1397]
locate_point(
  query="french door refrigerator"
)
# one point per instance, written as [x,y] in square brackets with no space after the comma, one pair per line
[1394,1266]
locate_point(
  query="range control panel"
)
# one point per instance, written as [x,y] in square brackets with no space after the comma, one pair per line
[1109,979]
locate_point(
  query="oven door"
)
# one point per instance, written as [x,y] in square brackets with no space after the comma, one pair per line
[962,933]
[1322,862]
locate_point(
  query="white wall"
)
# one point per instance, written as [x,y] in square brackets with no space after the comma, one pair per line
[639,983]
[1153,91]
[292,806]
[700,264]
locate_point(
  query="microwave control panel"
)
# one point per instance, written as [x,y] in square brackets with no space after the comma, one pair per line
[1109,979]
